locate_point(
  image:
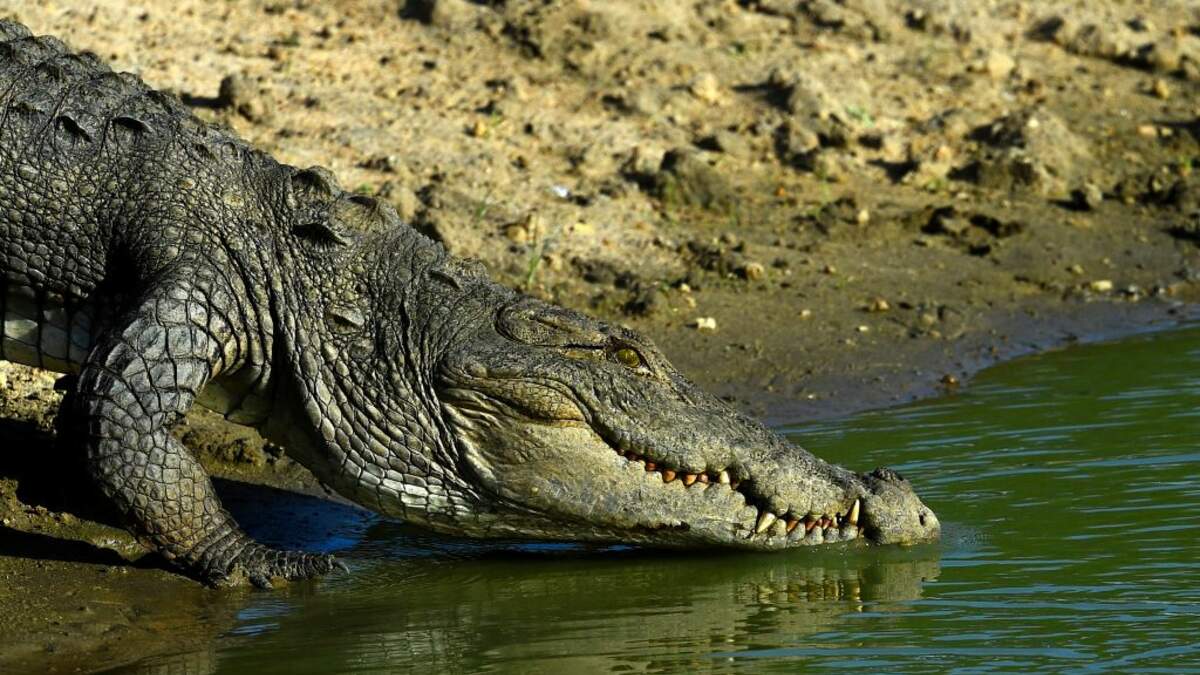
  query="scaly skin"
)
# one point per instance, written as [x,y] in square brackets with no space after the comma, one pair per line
[166,263]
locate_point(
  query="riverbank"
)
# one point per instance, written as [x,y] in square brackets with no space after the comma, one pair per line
[813,208]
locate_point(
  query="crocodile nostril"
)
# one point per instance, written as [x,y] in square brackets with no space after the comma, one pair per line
[921,518]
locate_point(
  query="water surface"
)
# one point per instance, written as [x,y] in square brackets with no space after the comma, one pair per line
[1068,485]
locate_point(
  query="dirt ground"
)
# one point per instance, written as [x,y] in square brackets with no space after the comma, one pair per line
[813,207]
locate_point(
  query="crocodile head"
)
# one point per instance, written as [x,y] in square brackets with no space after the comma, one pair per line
[576,429]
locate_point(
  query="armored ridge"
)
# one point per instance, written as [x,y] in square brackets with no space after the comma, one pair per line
[166,263]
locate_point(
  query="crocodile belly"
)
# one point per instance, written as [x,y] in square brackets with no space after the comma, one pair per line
[40,330]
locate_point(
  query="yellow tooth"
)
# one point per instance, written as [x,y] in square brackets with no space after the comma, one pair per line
[809,523]
[689,478]
[764,521]
[854,512]
[668,476]
[791,525]
[703,478]
[724,477]
[650,466]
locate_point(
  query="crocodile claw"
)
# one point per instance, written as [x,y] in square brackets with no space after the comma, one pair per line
[261,566]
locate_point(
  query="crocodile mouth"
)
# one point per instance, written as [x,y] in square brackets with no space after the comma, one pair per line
[761,528]
[787,528]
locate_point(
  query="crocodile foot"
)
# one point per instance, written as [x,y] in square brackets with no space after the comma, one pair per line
[261,565]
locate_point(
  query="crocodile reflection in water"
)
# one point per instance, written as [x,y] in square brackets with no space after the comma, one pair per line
[471,606]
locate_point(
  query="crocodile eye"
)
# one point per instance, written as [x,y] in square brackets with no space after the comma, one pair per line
[629,357]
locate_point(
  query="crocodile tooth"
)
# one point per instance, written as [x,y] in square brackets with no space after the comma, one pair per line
[825,522]
[668,476]
[735,484]
[809,523]
[764,521]
[723,477]
[854,512]
[791,524]
[703,477]
[689,478]
[650,466]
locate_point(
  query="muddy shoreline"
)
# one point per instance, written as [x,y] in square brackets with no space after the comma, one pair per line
[813,209]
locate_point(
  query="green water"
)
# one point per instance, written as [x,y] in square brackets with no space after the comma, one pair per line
[1069,489]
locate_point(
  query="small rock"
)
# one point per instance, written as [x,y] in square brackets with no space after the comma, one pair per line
[863,217]
[238,93]
[928,318]
[949,380]
[407,203]
[1147,130]
[448,14]
[684,178]
[233,91]
[878,305]
[706,88]
[478,129]
[829,269]
[705,323]
[1161,89]
[517,233]
[998,65]
[646,160]
[806,314]
[863,329]
[1101,285]
[731,143]
[1076,269]
[753,271]
[1089,197]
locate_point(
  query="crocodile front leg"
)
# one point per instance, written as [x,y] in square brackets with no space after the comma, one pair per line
[138,380]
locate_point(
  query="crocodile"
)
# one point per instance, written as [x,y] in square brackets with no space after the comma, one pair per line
[160,262]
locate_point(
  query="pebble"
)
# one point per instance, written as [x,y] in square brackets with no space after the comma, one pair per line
[706,88]
[878,305]
[452,14]
[1090,196]
[517,233]
[238,93]
[705,323]
[1076,269]
[754,271]
[806,314]
[999,65]
[863,217]
[1147,130]
[731,143]
[1101,285]
[863,329]
[1161,89]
